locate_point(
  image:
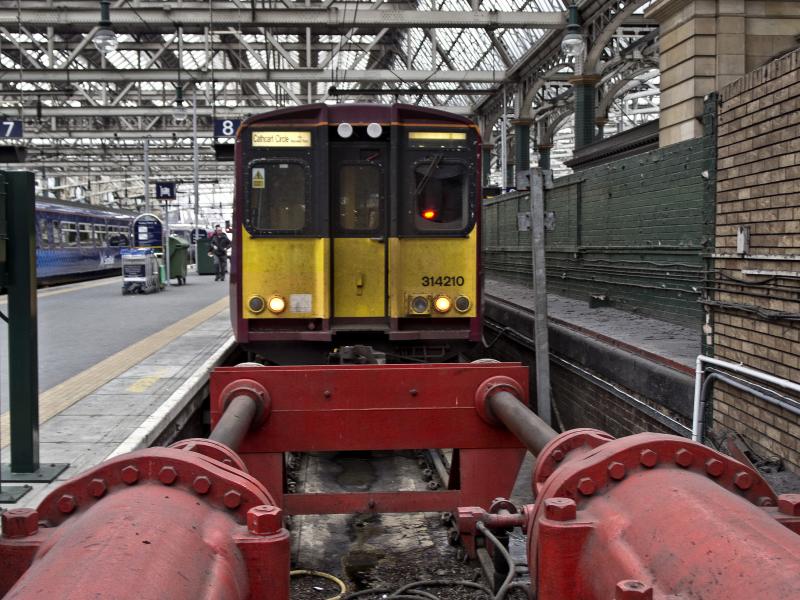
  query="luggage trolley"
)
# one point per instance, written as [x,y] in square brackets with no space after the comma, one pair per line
[140,271]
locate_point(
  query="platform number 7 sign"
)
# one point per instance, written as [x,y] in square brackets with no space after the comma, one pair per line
[10,129]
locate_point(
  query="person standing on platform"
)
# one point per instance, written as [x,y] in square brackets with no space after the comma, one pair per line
[219,244]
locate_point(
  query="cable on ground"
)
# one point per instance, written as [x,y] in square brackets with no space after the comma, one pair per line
[328,576]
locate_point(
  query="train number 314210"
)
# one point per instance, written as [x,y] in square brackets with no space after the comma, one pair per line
[442,280]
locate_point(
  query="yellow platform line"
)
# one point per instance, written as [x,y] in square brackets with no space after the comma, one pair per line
[65,394]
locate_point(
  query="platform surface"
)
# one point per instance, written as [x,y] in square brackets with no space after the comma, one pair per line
[82,324]
[130,362]
[675,343]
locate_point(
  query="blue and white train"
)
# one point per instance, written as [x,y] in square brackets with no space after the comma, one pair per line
[77,241]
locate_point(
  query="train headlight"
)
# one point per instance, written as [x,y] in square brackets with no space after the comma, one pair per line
[276,304]
[463,304]
[256,304]
[419,305]
[442,304]
[374,130]
[345,130]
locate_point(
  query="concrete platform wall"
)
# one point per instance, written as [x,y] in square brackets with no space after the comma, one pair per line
[756,319]
[596,384]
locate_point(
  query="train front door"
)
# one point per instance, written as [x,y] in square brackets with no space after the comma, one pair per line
[359,189]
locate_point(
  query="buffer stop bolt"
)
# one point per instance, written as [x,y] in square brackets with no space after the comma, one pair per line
[789,504]
[560,509]
[264,520]
[631,589]
[20,522]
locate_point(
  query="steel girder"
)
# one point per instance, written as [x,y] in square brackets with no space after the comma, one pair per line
[149,19]
[254,75]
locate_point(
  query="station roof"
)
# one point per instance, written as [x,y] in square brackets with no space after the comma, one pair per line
[85,110]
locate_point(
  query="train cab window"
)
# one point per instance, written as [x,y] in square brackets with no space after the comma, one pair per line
[278,196]
[440,195]
[359,197]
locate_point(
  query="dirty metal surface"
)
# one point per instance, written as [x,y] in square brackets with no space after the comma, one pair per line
[371,550]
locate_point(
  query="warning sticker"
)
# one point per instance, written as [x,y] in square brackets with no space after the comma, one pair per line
[259,180]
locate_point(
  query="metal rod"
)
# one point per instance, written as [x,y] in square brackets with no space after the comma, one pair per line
[531,430]
[737,368]
[235,421]
[503,148]
[196,176]
[146,175]
[166,239]
[540,329]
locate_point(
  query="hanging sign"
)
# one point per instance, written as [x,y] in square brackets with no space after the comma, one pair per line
[10,129]
[165,190]
[226,127]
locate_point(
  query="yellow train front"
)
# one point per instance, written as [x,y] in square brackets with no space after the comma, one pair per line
[357,223]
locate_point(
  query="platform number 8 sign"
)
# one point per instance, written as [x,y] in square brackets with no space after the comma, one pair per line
[226,127]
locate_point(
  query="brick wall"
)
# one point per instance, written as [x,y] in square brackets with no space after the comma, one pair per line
[756,296]
[636,230]
[580,404]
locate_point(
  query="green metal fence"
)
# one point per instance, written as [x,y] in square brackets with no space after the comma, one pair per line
[636,231]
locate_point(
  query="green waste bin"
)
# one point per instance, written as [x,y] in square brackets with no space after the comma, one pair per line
[205,263]
[178,258]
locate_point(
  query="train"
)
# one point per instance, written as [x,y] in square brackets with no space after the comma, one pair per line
[76,240]
[354,222]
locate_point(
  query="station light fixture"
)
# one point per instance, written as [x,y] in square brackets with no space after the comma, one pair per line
[181,112]
[105,40]
[574,44]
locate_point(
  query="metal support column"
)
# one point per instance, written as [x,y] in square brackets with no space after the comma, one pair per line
[146,175]
[487,163]
[540,333]
[22,337]
[522,143]
[600,124]
[585,96]
[23,377]
[166,239]
[544,156]
[504,147]
[196,177]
